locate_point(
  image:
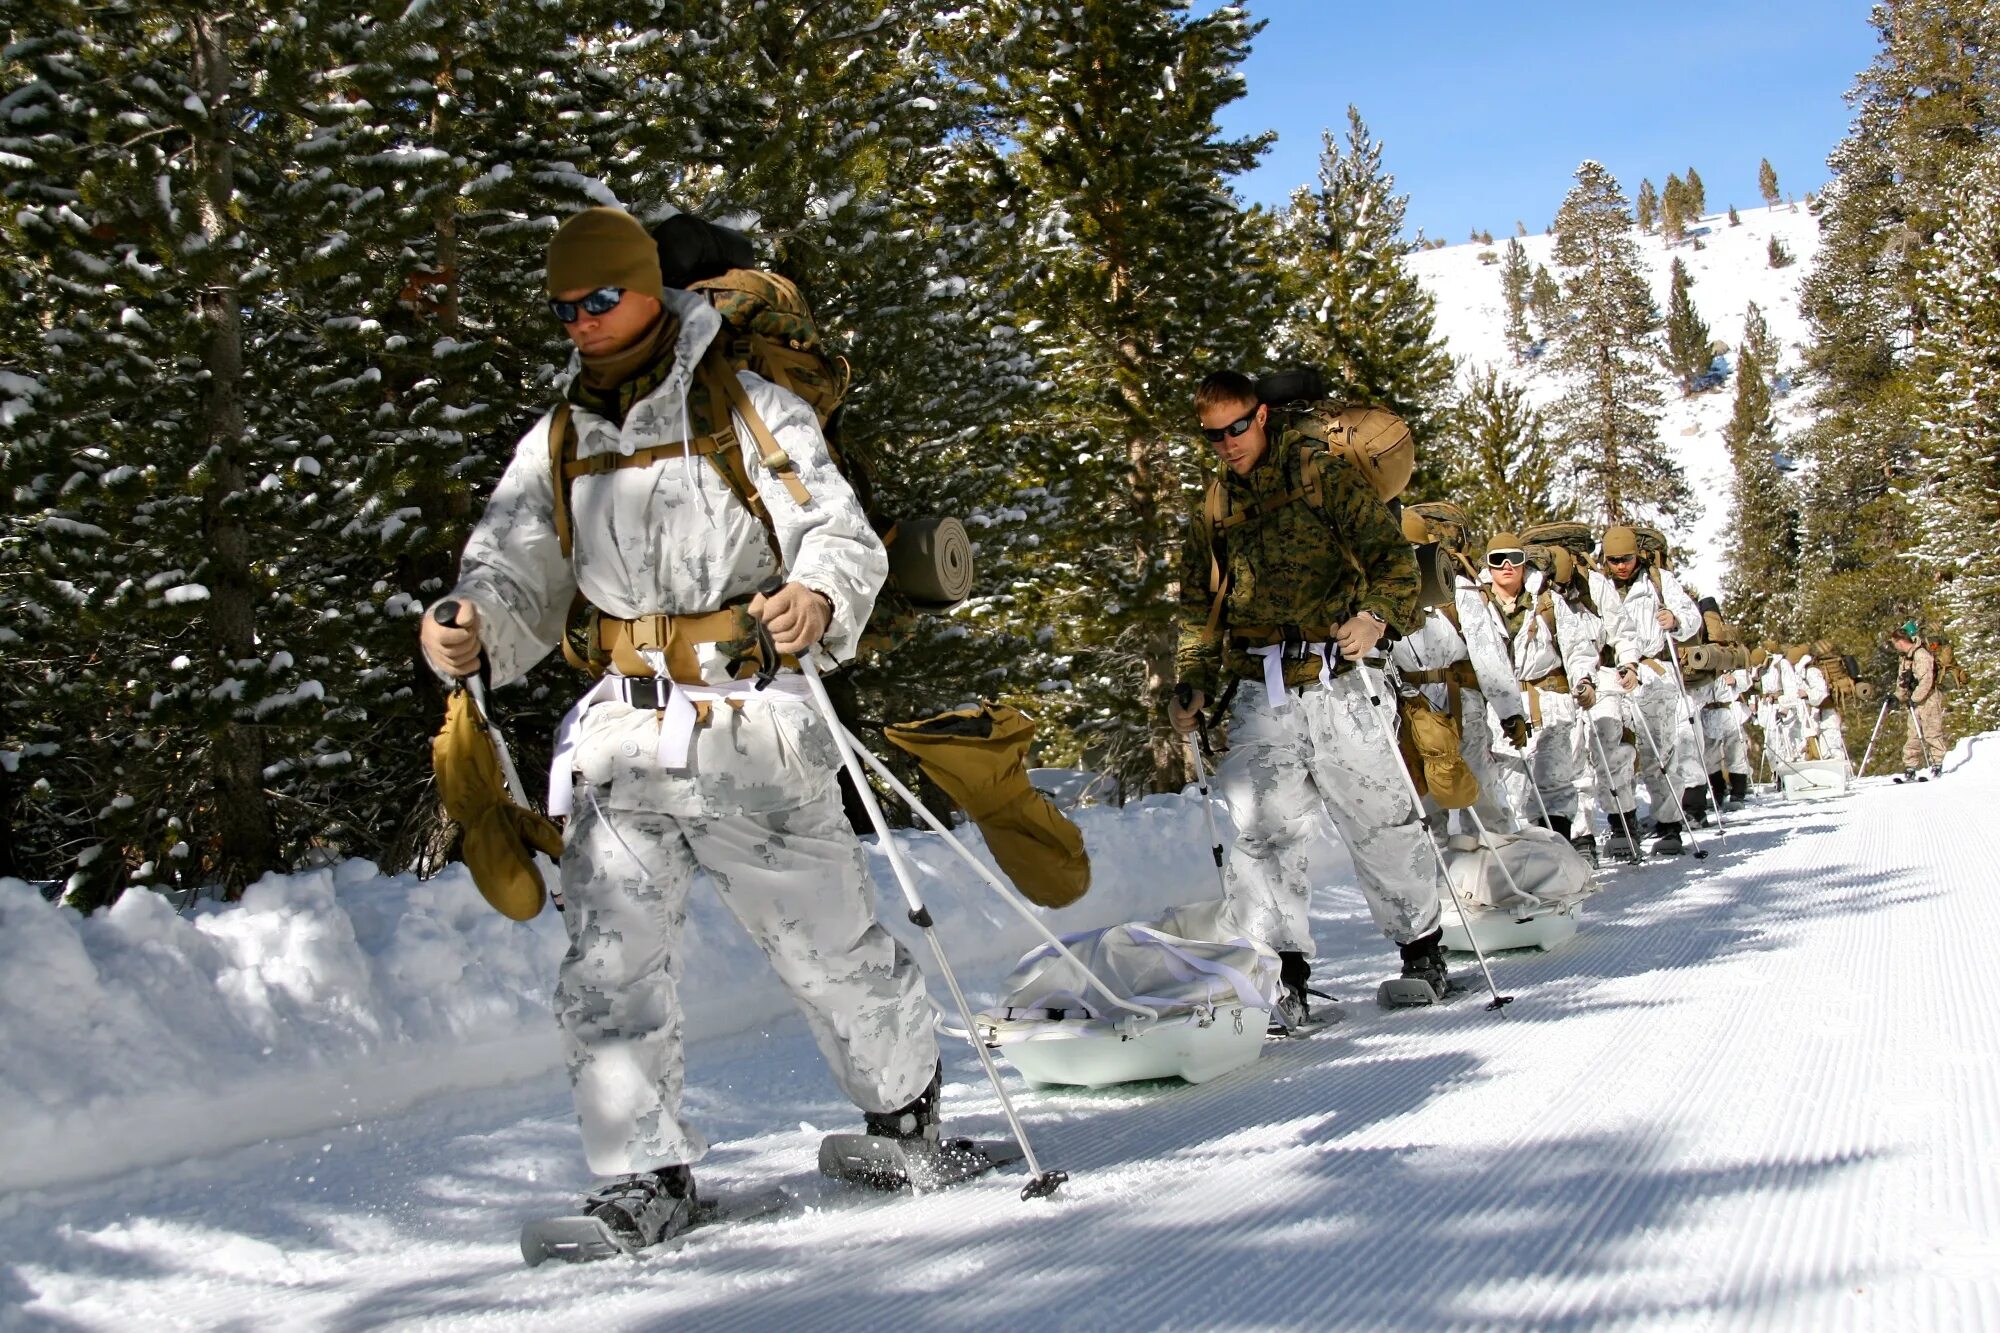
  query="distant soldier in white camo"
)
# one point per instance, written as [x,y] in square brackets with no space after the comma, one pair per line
[1551,651]
[687,768]
[1719,702]
[1646,610]
[1782,709]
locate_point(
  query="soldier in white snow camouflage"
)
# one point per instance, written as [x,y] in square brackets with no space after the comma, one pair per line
[673,762]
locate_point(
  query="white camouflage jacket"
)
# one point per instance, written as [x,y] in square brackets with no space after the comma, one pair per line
[1631,616]
[1535,653]
[667,538]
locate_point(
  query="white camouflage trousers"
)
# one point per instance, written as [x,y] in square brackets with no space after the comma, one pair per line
[1659,719]
[1321,753]
[1552,761]
[797,881]
[1602,748]
[1724,746]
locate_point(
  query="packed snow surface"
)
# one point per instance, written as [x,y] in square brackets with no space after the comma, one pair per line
[1758,1091]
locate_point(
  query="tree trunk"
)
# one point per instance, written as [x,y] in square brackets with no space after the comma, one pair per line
[243,815]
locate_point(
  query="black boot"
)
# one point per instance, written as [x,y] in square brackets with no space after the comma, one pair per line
[1560,824]
[1718,786]
[646,1208]
[917,1119]
[1667,840]
[1739,788]
[1295,972]
[1423,960]
[1694,806]
[1623,839]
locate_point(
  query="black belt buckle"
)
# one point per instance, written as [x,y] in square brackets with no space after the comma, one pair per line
[649,691]
[1294,649]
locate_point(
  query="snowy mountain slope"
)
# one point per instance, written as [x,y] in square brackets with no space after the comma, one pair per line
[1730,270]
[1757,1092]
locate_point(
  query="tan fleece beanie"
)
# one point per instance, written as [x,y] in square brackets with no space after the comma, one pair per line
[603,247]
[1619,541]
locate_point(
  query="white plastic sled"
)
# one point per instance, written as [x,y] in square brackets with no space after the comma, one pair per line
[1521,890]
[1213,1000]
[1812,779]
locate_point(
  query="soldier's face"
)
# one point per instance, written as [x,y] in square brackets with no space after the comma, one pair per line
[614,330]
[1509,578]
[1243,437]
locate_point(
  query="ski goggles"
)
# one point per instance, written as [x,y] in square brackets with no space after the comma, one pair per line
[1217,434]
[600,302]
[1502,558]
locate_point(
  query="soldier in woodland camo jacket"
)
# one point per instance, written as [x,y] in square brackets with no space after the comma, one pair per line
[1332,579]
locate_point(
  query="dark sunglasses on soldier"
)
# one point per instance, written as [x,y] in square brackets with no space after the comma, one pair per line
[1500,559]
[1235,428]
[600,302]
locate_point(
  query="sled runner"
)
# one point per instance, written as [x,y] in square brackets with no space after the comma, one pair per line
[1214,1001]
[1812,779]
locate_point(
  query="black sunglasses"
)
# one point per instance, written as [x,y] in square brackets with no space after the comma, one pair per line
[1499,559]
[600,302]
[1235,428]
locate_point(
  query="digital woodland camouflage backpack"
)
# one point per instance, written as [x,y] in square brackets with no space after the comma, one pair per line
[767,328]
[1374,441]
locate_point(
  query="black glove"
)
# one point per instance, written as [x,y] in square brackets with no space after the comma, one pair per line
[1910,681]
[1516,728]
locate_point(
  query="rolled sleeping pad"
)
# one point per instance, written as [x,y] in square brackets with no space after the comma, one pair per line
[930,561]
[1304,385]
[1434,573]
[693,249]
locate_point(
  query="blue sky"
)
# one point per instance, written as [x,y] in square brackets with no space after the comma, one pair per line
[1485,110]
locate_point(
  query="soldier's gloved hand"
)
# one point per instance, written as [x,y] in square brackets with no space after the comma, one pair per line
[1586,694]
[453,649]
[1667,620]
[1358,635]
[1186,719]
[795,614]
[1628,676]
[1516,729]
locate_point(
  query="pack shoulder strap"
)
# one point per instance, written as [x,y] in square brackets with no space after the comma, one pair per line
[561,452]
[1213,506]
[725,388]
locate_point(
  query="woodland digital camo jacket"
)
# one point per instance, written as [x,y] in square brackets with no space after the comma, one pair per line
[1293,564]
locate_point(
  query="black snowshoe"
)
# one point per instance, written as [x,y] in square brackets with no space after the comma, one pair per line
[1425,979]
[620,1217]
[905,1149]
[1911,775]
[1623,839]
[1667,840]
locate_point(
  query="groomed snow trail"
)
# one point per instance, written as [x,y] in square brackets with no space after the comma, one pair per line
[1755,1092]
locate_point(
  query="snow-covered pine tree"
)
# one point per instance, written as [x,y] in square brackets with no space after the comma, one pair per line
[1516,278]
[1648,205]
[1352,306]
[141,193]
[1957,370]
[1767,183]
[1498,460]
[1141,275]
[1605,346]
[1761,588]
[1925,110]
[1687,353]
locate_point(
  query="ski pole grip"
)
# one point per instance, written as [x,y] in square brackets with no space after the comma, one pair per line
[445,613]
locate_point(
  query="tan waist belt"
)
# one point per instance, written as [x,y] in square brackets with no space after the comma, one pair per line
[1531,690]
[621,642]
[1460,674]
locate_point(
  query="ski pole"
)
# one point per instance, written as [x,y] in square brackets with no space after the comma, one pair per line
[1699,852]
[1012,899]
[1184,695]
[1922,740]
[1869,753]
[1044,1183]
[1499,1001]
[1694,725]
[1631,834]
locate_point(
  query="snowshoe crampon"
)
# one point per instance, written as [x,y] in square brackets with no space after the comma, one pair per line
[875,1161]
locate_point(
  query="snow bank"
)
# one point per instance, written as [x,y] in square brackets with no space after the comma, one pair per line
[138,1036]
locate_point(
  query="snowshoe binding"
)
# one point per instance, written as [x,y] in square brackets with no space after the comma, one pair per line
[1667,840]
[904,1149]
[1425,979]
[1295,1015]
[1586,847]
[1623,839]
[620,1217]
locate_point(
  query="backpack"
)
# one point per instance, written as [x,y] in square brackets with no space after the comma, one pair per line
[1950,675]
[1652,545]
[1576,538]
[1375,440]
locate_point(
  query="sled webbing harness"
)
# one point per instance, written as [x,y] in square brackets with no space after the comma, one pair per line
[1220,517]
